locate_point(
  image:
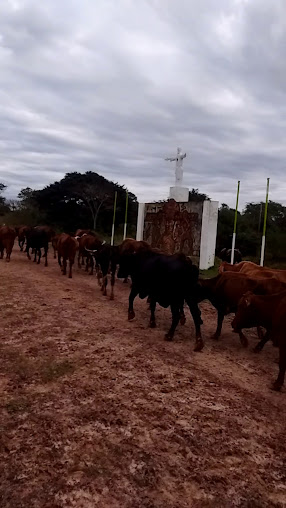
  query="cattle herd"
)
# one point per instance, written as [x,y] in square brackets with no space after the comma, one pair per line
[257,295]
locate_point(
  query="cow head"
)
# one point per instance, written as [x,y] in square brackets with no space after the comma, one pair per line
[245,316]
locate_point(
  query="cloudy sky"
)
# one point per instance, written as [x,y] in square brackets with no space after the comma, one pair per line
[116,85]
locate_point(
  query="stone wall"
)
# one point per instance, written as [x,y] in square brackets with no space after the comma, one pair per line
[174,227]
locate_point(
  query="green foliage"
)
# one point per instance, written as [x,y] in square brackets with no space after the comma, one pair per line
[250,227]
[4,208]
[84,201]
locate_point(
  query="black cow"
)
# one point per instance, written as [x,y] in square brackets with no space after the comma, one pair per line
[225,255]
[37,239]
[167,280]
[106,258]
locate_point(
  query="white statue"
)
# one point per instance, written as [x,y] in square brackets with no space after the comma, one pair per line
[179,166]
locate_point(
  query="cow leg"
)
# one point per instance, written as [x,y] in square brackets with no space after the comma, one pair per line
[99,276]
[132,296]
[91,265]
[70,272]
[104,285]
[152,322]
[78,261]
[265,338]
[175,321]
[277,385]
[35,255]
[196,315]
[28,253]
[64,266]
[182,316]
[40,255]
[125,280]
[243,339]
[87,263]
[59,260]
[112,281]
[55,254]
[220,318]
[46,256]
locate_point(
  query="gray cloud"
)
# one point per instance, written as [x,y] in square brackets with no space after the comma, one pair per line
[115,86]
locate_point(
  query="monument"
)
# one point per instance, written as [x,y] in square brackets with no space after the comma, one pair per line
[180,225]
[178,192]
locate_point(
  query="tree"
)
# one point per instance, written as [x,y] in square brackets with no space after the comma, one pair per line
[3,204]
[195,195]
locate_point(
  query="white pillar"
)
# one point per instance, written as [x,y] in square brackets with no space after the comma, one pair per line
[140,221]
[208,234]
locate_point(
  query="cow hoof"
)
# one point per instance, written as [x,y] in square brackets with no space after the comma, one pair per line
[256,349]
[183,320]
[215,336]
[276,387]
[111,297]
[199,345]
[152,324]
[131,315]
[168,337]
[70,276]
[244,342]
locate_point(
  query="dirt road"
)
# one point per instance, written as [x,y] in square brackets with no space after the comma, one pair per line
[99,412]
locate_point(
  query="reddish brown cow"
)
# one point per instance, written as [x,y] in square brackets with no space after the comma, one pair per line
[254,271]
[67,247]
[7,239]
[55,240]
[269,312]
[225,290]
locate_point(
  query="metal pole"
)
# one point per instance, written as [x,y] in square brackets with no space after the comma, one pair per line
[114,214]
[125,221]
[235,223]
[264,225]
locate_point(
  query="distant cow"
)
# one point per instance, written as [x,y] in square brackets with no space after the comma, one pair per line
[86,243]
[269,312]
[67,247]
[225,255]
[225,290]
[22,231]
[55,240]
[7,239]
[167,280]
[37,239]
[106,258]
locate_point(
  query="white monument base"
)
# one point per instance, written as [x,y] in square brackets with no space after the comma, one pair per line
[208,234]
[179,194]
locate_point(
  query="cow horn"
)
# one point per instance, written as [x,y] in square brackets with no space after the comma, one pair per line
[90,250]
[104,242]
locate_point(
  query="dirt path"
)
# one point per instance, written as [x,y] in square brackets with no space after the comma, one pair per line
[99,412]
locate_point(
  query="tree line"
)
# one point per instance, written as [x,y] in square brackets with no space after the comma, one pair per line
[76,201]
[86,201]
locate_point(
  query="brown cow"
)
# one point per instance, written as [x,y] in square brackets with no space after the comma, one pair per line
[7,239]
[225,290]
[269,312]
[55,240]
[253,270]
[67,247]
